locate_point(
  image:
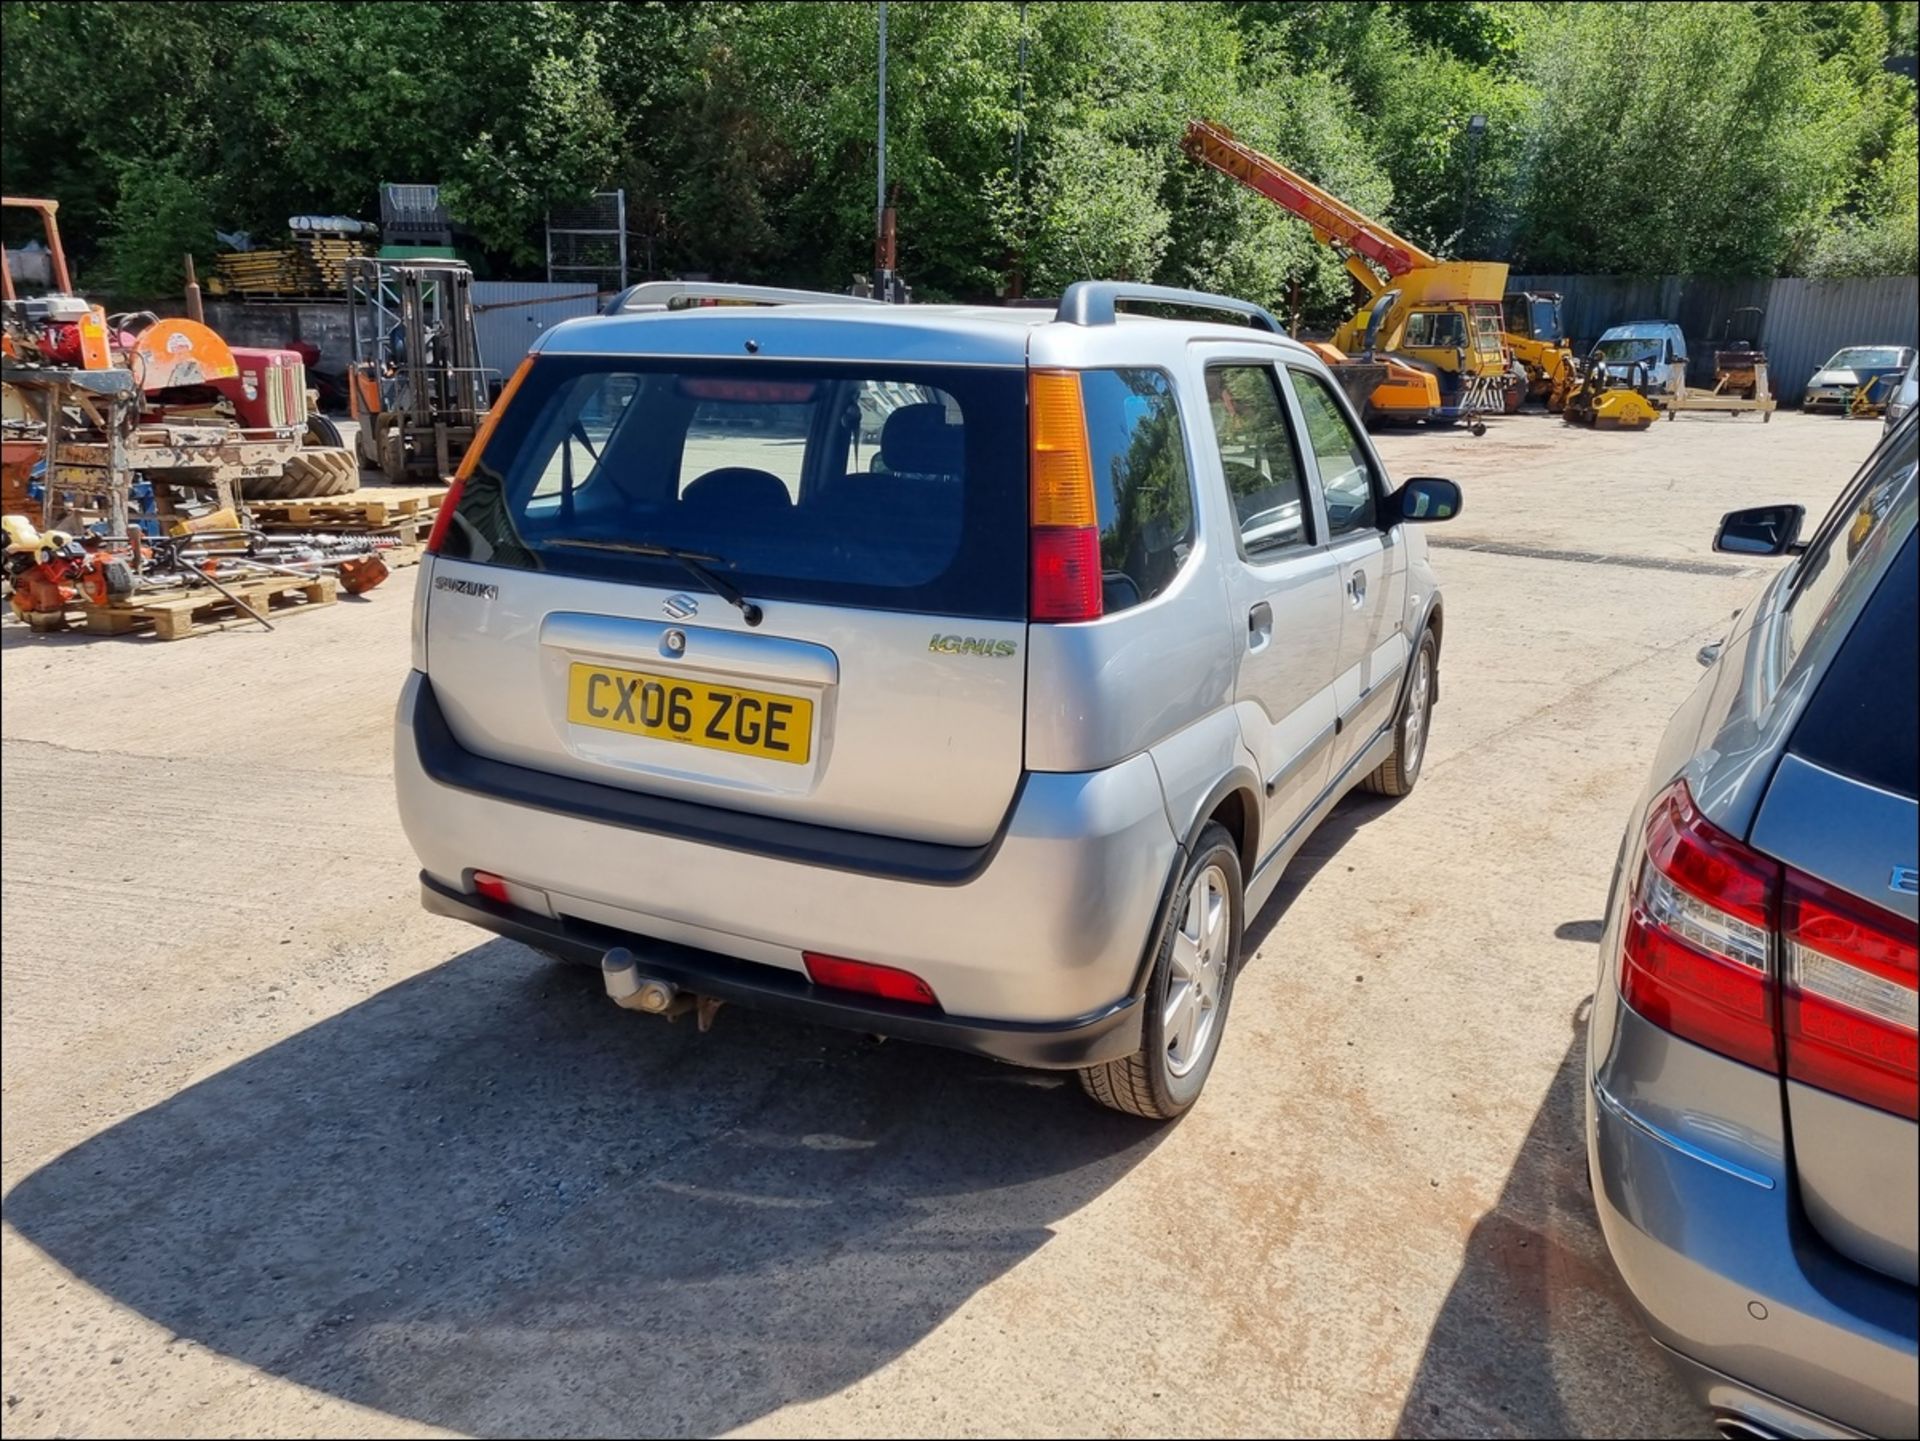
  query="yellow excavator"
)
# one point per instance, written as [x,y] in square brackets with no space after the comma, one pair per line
[1537,336]
[1447,318]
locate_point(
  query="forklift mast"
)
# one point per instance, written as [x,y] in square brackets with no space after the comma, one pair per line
[417,385]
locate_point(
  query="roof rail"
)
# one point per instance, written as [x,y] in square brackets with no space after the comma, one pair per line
[687,294]
[1096,302]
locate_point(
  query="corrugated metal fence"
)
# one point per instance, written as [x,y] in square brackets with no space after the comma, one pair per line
[508,314]
[1805,322]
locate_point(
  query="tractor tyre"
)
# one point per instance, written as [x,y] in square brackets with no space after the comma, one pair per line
[321,431]
[310,474]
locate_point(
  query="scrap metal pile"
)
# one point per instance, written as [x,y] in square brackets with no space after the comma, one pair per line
[51,573]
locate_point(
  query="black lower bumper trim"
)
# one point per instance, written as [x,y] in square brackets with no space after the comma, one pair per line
[1105,1035]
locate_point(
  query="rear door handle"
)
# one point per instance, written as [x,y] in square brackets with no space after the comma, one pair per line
[1357,587]
[1259,626]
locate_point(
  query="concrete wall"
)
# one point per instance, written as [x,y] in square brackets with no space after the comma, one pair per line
[281,322]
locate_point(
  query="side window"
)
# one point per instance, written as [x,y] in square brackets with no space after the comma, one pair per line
[1346,473]
[599,406]
[1259,459]
[1140,482]
[1436,330]
[1842,538]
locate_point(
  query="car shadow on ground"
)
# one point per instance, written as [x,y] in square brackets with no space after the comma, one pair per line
[1537,1336]
[1320,849]
[488,1200]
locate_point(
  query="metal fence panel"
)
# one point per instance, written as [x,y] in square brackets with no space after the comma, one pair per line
[508,314]
[1805,322]
[1808,320]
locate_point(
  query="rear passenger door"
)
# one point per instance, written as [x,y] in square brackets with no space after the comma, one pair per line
[1283,589]
[1372,565]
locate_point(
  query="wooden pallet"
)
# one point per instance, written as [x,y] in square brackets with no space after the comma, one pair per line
[373,509]
[179,613]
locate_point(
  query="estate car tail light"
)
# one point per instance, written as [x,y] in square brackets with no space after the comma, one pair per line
[1727,948]
[1850,998]
[451,500]
[1697,954]
[1064,535]
[887,982]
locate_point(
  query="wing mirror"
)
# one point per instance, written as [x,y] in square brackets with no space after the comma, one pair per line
[1424,498]
[1761,530]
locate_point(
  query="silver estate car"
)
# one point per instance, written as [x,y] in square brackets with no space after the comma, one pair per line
[962,675]
[1833,386]
[1751,1112]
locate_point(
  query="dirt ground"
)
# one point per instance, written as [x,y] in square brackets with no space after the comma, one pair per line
[285,1156]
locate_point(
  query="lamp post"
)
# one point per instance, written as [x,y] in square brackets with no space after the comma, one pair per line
[1476,128]
[885,281]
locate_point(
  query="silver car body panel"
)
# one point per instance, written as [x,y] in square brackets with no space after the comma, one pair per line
[1052,927]
[884,700]
[1727,1193]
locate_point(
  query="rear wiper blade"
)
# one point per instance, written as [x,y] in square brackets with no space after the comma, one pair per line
[694,562]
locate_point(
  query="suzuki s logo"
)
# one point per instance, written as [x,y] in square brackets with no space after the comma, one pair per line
[1906,880]
[680,606]
[466,587]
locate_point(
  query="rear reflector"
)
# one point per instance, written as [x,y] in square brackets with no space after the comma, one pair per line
[448,502]
[1696,955]
[1851,1006]
[885,981]
[1064,535]
[492,887]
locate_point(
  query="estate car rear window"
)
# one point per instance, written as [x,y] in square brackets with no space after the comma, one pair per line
[894,487]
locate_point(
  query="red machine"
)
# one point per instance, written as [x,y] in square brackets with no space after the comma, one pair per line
[51,572]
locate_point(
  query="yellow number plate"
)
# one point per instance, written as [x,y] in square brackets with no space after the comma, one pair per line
[673,708]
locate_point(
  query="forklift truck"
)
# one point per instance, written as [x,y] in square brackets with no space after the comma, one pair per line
[416,386]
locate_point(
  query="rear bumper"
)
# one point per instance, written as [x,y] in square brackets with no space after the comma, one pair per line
[1047,925]
[1734,1282]
[1106,1035]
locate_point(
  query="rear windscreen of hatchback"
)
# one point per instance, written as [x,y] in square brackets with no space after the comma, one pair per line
[896,487]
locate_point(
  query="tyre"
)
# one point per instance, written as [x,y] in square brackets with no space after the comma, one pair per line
[321,431]
[1395,775]
[393,456]
[309,474]
[1188,993]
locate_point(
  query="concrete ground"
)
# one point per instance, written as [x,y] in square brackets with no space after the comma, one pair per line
[285,1156]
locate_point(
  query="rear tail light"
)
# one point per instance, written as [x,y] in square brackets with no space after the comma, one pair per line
[887,982]
[451,500]
[1727,948]
[1696,954]
[1064,537]
[1851,1004]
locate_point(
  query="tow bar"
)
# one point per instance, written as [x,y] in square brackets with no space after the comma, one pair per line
[632,991]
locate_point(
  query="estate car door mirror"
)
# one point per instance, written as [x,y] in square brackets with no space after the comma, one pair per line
[1424,498]
[1761,530]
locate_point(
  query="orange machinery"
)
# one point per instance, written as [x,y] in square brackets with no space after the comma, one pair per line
[1445,323]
